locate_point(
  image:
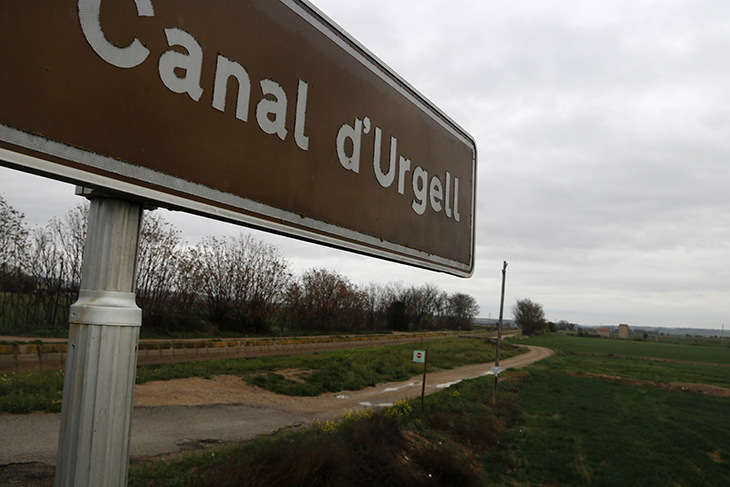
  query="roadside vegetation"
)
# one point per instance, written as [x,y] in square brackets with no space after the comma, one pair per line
[554,424]
[337,371]
[317,373]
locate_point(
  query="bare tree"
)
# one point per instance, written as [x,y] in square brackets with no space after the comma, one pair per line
[55,266]
[414,307]
[325,300]
[242,279]
[69,234]
[396,314]
[430,306]
[160,256]
[14,250]
[374,297]
[13,238]
[187,287]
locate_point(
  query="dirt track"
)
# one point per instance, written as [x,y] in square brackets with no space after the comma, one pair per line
[233,390]
[178,415]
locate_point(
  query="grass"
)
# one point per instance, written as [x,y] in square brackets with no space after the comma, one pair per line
[584,431]
[632,368]
[394,447]
[550,428]
[338,370]
[31,391]
[629,360]
[364,449]
[710,353]
[323,372]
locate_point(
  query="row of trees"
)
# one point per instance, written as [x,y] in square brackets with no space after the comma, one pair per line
[236,284]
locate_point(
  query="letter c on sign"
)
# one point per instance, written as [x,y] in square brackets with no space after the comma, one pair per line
[121,57]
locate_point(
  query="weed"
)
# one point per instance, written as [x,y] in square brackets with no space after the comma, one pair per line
[26,392]
[365,450]
[400,411]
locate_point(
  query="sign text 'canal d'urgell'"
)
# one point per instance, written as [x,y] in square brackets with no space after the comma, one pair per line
[259,112]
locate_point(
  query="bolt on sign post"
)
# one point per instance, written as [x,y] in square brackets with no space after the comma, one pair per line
[262,113]
[421,356]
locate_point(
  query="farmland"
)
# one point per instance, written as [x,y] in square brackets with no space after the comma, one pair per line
[591,415]
[707,351]
[596,413]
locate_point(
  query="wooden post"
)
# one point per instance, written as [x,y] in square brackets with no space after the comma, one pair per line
[499,334]
[423,383]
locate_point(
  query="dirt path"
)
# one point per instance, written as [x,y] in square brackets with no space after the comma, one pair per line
[184,414]
[226,389]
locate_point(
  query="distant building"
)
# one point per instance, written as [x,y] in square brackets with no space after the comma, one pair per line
[604,332]
[623,331]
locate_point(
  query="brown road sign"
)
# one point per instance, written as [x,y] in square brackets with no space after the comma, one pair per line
[260,112]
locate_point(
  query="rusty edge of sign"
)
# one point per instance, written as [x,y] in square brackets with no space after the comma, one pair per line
[292,224]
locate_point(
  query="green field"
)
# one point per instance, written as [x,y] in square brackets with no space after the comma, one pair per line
[646,361]
[585,431]
[632,368]
[591,431]
[553,426]
[710,353]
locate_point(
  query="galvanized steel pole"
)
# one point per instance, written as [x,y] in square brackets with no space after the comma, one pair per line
[98,389]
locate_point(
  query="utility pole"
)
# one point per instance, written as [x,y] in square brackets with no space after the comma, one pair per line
[499,336]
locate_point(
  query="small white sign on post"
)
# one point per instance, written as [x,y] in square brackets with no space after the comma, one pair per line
[496,370]
[421,356]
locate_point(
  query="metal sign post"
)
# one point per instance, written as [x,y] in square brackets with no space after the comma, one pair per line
[98,389]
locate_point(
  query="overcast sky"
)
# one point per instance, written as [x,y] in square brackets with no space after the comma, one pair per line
[603,152]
